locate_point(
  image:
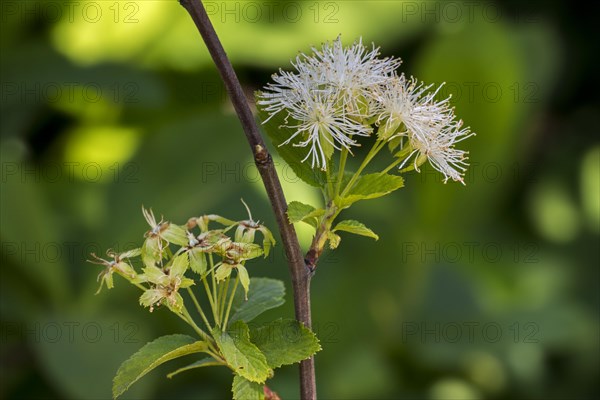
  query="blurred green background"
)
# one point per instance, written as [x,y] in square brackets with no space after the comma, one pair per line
[486,291]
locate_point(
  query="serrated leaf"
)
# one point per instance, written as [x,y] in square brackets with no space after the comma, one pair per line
[264,294]
[358,228]
[292,155]
[205,362]
[370,186]
[241,354]
[154,275]
[174,302]
[198,262]
[179,265]
[150,297]
[243,389]
[298,212]
[244,251]
[284,342]
[151,251]
[175,234]
[126,269]
[152,355]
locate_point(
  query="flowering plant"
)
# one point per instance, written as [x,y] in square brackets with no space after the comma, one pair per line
[336,99]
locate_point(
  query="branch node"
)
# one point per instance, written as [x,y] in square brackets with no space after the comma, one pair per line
[261,155]
[311,267]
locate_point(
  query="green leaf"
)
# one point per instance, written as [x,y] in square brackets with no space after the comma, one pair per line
[244,279]
[326,144]
[131,253]
[198,261]
[264,294]
[248,236]
[150,297]
[358,228]
[152,355]
[285,341]
[175,302]
[221,220]
[205,362]
[244,251]
[387,129]
[179,265]
[151,251]
[223,271]
[291,154]
[268,241]
[243,389]
[175,234]
[154,275]
[370,186]
[126,269]
[298,211]
[241,354]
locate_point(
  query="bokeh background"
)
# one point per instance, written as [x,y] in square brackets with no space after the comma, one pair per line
[486,291]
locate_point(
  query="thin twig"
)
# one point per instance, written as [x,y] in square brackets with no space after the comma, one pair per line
[231,297]
[299,272]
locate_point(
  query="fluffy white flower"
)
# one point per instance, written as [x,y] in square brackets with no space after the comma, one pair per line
[351,72]
[408,102]
[336,93]
[329,97]
[438,148]
[285,94]
[429,125]
[321,125]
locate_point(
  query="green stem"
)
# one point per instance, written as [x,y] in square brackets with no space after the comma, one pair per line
[188,319]
[214,283]
[139,285]
[379,144]
[185,315]
[200,311]
[330,192]
[218,358]
[401,157]
[318,243]
[340,177]
[235,285]
[222,300]
[210,297]
[392,165]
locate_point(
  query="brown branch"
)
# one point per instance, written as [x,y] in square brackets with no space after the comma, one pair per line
[299,272]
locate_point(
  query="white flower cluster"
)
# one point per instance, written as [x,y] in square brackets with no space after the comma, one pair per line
[337,95]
